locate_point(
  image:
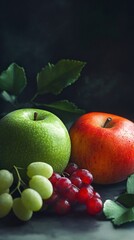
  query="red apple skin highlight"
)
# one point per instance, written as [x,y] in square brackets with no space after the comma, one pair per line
[108,152]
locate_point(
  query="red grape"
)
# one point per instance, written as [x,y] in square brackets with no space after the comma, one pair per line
[76,181]
[84,174]
[94,206]
[62,206]
[72,167]
[84,194]
[71,194]
[53,179]
[63,184]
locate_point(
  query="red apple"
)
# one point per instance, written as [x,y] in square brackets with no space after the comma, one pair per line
[103,143]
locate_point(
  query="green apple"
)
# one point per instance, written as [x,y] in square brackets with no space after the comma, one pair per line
[30,135]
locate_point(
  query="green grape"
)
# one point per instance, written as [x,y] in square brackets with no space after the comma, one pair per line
[6,179]
[4,191]
[31,199]
[20,211]
[6,203]
[42,185]
[39,168]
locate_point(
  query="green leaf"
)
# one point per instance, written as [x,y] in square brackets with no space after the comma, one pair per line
[127,216]
[54,78]
[67,111]
[13,80]
[126,200]
[66,106]
[121,210]
[130,184]
[7,97]
[112,210]
[117,213]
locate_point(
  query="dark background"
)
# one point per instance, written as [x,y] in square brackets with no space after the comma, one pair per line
[33,33]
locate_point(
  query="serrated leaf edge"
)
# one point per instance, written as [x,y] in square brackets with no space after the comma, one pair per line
[39,92]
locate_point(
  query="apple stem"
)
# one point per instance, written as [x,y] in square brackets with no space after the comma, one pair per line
[109,119]
[35,116]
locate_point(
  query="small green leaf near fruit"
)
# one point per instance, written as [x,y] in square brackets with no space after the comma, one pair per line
[65,106]
[121,210]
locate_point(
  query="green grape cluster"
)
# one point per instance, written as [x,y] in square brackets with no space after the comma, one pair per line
[33,195]
[6,200]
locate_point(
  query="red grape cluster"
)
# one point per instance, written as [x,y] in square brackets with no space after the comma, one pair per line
[72,188]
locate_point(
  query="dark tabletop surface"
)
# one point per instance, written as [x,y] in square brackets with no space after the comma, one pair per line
[75,225]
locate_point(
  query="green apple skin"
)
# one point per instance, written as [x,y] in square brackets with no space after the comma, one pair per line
[24,140]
